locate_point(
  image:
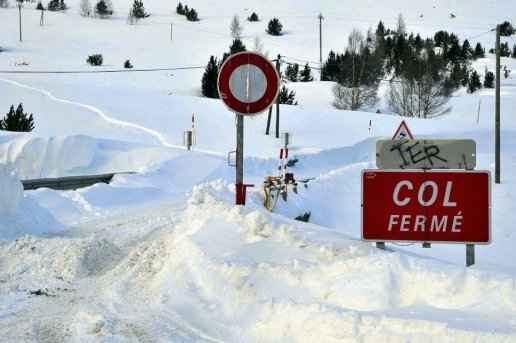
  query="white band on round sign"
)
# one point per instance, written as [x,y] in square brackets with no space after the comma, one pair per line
[248,83]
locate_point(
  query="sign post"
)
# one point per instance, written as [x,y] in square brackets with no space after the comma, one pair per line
[248,84]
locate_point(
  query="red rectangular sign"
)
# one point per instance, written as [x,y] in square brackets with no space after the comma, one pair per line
[426,206]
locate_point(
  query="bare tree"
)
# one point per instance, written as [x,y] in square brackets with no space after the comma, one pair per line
[354,98]
[235,28]
[424,98]
[358,81]
[258,45]
[402,27]
[85,8]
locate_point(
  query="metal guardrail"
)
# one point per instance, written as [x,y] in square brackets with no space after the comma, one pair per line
[68,182]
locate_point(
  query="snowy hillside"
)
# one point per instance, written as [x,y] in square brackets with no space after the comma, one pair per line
[163,255]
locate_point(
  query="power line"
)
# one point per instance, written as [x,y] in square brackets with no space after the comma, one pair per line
[96,71]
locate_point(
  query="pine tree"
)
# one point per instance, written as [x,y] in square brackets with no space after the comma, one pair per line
[506,29]
[209,79]
[479,51]
[292,72]
[274,27]
[54,5]
[85,8]
[505,51]
[253,17]
[192,15]
[179,9]
[474,82]
[467,51]
[138,10]
[330,68]
[17,121]
[489,79]
[39,6]
[235,28]
[306,74]
[286,96]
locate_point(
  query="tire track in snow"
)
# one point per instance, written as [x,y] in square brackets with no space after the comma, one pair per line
[158,136]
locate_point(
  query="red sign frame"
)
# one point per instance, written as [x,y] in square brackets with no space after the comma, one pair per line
[438,206]
[271,75]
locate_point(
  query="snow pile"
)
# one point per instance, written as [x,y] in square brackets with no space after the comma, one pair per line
[11,191]
[246,275]
[37,157]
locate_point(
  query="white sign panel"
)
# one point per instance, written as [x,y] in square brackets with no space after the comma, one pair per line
[426,154]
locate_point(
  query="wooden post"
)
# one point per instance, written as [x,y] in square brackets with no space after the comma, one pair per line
[497,107]
[278,68]
[470,255]
[268,128]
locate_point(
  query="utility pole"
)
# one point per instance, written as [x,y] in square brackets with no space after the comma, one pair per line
[497,107]
[20,2]
[278,68]
[269,117]
[321,18]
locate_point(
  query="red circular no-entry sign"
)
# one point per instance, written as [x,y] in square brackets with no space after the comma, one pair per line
[248,83]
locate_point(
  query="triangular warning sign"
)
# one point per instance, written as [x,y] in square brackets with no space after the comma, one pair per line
[402,132]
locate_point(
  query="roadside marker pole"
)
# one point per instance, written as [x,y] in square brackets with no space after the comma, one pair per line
[497,107]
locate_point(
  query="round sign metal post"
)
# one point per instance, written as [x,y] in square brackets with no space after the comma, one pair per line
[248,84]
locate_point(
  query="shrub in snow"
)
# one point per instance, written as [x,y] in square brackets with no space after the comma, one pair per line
[128,65]
[180,9]
[489,79]
[274,27]
[306,74]
[95,60]
[103,9]
[11,191]
[192,15]
[56,5]
[17,121]
[138,10]
[305,217]
[253,17]
[4,3]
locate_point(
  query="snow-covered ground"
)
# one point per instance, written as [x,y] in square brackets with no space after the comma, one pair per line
[164,256]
